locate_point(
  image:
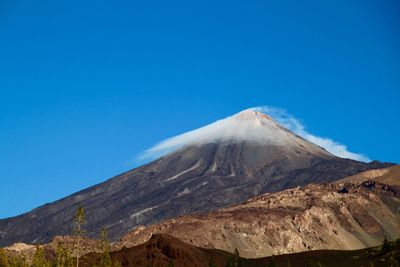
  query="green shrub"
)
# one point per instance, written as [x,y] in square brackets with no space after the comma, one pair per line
[3,259]
[39,259]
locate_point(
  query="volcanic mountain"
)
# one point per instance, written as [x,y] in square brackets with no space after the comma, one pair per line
[221,164]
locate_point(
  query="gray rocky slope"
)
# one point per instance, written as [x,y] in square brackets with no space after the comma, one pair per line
[240,157]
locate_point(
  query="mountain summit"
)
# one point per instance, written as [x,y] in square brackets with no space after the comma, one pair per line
[246,126]
[221,164]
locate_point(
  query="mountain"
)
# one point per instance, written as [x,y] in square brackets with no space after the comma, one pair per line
[390,175]
[222,164]
[329,216]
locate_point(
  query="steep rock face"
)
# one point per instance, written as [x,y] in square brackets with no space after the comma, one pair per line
[239,158]
[314,217]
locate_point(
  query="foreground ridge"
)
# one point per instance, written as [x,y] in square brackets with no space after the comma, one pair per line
[331,216]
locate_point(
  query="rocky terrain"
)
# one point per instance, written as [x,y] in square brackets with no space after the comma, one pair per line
[390,176]
[351,214]
[250,154]
[163,250]
[329,216]
[27,251]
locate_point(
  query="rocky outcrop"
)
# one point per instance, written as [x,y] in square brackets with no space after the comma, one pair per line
[331,216]
[390,176]
[164,250]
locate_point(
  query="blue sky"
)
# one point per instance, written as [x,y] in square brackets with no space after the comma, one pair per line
[86,86]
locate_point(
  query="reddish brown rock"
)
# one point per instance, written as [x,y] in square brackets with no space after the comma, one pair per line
[305,218]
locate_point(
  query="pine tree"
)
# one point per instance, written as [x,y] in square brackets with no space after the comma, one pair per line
[39,259]
[79,222]
[385,248]
[60,255]
[18,261]
[236,258]
[105,247]
[63,256]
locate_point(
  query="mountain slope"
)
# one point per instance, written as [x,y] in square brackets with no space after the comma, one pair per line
[306,218]
[390,175]
[163,250]
[239,158]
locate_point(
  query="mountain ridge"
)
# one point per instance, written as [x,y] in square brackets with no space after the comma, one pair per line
[196,178]
[328,216]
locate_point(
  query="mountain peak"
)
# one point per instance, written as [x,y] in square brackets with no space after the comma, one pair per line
[249,126]
[250,114]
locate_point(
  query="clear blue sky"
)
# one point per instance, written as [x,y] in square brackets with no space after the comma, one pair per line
[87,85]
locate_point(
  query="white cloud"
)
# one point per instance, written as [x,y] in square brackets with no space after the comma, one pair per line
[256,129]
[237,127]
[293,124]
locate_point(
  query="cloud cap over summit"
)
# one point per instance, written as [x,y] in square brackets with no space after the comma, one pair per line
[261,124]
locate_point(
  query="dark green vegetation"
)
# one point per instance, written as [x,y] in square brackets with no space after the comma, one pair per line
[12,261]
[62,256]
